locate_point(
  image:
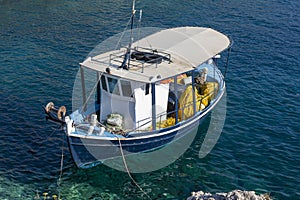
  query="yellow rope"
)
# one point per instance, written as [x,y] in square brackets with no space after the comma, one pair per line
[128,172]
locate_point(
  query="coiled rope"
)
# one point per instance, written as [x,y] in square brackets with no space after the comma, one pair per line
[128,172]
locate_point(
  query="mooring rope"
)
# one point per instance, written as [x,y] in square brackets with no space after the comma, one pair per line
[128,172]
[61,167]
[42,142]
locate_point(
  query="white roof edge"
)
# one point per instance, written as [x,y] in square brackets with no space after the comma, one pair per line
[193,44]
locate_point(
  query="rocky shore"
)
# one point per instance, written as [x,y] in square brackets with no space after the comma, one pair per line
[233,195]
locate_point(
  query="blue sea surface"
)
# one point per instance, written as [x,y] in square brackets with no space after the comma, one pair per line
[41,44]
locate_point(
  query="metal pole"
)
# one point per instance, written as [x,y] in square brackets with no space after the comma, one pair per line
[98,88]
[153,106]
[98,95]
[193,91]
[227,61]
[83,88]
[176,99]
[131,33]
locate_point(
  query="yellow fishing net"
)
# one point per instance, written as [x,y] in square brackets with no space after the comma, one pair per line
[208,92]
[186,107]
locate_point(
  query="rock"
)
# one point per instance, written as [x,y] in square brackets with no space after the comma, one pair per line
[232,195]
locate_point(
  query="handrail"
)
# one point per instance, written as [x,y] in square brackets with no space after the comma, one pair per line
[160,116]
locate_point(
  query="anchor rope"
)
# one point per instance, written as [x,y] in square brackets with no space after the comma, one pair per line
[128,172]
[48,137]
[61,167]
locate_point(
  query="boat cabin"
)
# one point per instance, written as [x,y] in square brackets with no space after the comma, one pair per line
[142,89]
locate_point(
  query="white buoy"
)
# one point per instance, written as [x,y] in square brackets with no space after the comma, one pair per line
[93,121]
[93,124]
[101,131]
[91,130]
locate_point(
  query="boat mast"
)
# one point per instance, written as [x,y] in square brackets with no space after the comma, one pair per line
[131,31]
[128,52]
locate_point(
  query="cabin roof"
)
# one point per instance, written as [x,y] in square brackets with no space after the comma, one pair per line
[188,46]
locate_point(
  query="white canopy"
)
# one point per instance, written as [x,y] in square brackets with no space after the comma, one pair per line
[188,47]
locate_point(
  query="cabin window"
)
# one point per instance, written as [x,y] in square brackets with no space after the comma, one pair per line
[113,86]
[126,88]
[103,83]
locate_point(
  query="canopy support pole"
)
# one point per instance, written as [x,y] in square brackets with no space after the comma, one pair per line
[83,88]
[98,95]
[153,106]
[98,88]
[176,99]
[193,91]
[227,61]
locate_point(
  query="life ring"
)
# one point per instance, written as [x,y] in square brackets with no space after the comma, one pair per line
[49,107]
[61,112]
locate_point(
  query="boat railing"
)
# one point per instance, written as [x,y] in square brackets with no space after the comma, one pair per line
[189,105]
[167,119]
[221,77]
[166,55]
[116,59]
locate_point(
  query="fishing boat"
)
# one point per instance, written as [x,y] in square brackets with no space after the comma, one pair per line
[145,95]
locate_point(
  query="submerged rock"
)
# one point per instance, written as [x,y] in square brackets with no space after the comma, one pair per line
[233,195]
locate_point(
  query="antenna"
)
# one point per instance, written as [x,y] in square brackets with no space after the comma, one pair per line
[139,28]
[131,34]
[140,19]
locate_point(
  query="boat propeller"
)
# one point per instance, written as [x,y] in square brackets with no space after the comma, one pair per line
[55,114]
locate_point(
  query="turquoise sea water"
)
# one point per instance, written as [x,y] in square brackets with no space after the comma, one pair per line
[41,44]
